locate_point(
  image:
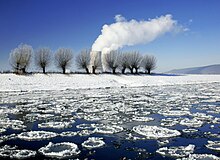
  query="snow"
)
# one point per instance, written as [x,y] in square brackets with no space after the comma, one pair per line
[12,82]
[60,150]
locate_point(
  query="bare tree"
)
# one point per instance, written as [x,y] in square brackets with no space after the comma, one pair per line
[112,60]
[20,58]
[95,62]
[63,58]
[83,60]
[43,58]
[149,63]
[134,61]
[123,62]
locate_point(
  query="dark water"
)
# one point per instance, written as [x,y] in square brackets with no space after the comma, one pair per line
[113,106]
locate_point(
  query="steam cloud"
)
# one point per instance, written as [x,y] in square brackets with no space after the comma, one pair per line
[129,33]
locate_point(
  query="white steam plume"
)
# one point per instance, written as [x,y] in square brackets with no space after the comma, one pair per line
[128,33]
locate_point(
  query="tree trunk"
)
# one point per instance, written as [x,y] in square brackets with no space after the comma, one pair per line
[93,69]
[148,71]
[44,70]
[64,70]
[87,70]
[131,69]
[123,70]
[136,70]
[113,70]
[23,70]
[17,68]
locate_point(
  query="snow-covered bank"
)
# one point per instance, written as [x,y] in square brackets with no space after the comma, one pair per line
[12,82]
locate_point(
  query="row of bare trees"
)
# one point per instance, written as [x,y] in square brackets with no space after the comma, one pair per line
[20,59]
[129,60]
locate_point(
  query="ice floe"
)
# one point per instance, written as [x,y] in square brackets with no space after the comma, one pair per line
[68,134]
[55,125]
[154,132]
[85,132]
[22,154]
[143,119]
[168,122]
[190,130]
[93,142]
[191,122]
[178,152]
[108,129]
[36,135]
[60,150]
[14,153]
[201,157]
[174,112]
[213,145]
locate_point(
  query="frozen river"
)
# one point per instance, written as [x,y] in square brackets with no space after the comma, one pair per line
[155,122]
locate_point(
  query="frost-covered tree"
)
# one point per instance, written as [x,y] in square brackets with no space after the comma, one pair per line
[134,61]
[123,62]
[112,60]
[95,62]
[83,60]
[43,58]
[149,63]
[20,58]
[63,58]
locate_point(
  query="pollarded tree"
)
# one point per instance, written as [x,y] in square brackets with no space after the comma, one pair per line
[134,61]
[63,58]
[96,61]
[112,60]
[20,58]
[43,58]
[83,60]
[123,62]
[149,63]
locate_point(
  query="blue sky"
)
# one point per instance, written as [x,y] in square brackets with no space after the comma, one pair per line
[77,23]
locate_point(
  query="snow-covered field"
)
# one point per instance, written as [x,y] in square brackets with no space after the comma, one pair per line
[109,117]
[12,82]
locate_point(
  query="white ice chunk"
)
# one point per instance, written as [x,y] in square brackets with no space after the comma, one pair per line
[201,157]
[190,130]
[168,122]
[36,135]
[22,154]
[108,129]
[213,145]
[55,125]
[68,134]
[143,119]
[85,132]
[60,150]
[180,151]
[154,132]
[2,130]
[93,142]
[173,112]
[191,122]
